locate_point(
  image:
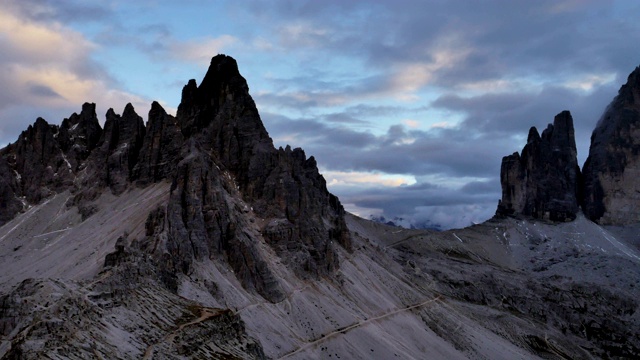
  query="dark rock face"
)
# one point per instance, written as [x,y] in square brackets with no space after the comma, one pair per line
[80,134]
[10,205]
[294,196]
[280,185]
[611,187]
[230,185]
[544,181]
[205,219]
[119,256]
[39,162]
[122,140]
[161,147]
[111,162]
[46,159]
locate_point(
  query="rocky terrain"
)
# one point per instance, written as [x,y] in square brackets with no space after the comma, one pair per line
[194,237]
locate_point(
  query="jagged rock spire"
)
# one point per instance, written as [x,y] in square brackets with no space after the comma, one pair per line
[544,181]
[121,144]
[161,147]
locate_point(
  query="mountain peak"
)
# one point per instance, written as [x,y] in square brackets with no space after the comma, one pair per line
[543,182]
[221,67]
[129,110]
[222,90]
[224,173]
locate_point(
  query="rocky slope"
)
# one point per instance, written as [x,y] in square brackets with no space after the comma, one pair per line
[193,237]
[544,180]
[611,189]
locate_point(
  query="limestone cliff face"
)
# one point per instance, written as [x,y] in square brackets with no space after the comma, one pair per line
[281,186]
[79,135]
[231,188]
[160,149]
[544,181]
[611,186]
[9,188]
[37,162]
[121,142]
[46,159]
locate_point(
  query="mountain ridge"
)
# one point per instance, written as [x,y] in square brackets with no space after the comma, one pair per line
[192,236]
[217,135]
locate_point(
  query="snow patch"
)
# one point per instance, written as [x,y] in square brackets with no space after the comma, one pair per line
[618,245]
[66,160]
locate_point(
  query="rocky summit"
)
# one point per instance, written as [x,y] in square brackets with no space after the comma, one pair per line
[543,181]
[191,237]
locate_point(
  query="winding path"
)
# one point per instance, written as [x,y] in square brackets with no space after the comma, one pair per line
[357,325]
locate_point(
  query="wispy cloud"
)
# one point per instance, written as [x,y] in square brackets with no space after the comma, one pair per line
[48,70]
[359,179]
[200,51]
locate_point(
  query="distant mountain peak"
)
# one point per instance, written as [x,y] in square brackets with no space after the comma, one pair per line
[543,181]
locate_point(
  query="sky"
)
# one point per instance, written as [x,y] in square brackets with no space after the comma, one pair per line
[407,106]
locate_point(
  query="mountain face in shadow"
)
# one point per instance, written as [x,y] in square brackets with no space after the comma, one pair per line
[611,186]
[544,181]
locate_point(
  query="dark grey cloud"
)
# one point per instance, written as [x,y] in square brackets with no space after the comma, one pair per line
[42,90]
[446,152]
[512,114]
[480,187]
[426,204]
[504,38]
[306,92]
[343,118]
[403,199]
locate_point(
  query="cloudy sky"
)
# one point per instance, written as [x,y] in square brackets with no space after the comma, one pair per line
[408,106]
